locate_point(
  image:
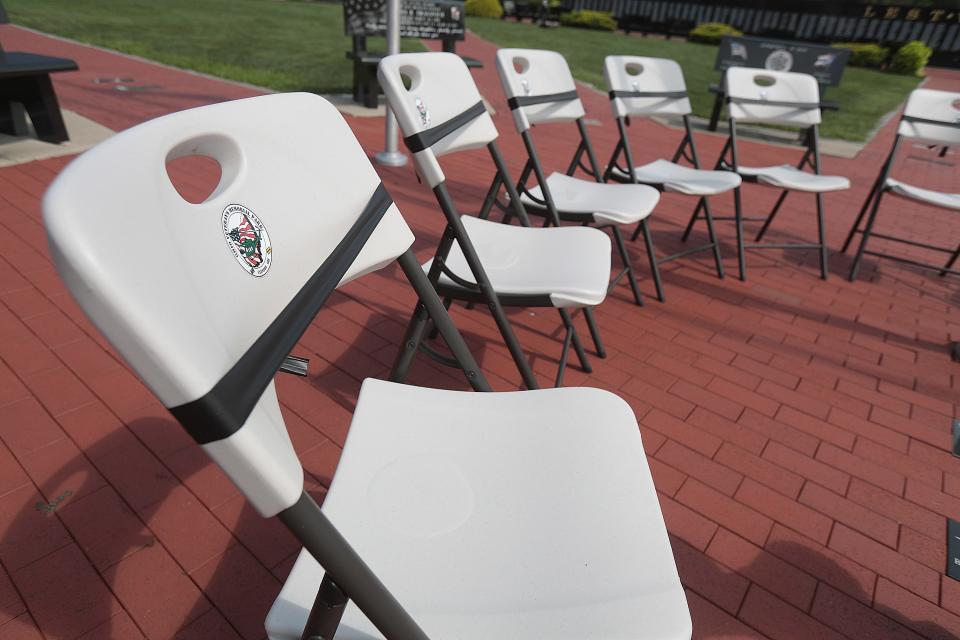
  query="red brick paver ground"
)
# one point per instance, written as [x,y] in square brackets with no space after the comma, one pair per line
[798,430]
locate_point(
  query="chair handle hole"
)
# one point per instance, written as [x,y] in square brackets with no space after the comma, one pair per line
[195,177]
[634,68]
[762,80]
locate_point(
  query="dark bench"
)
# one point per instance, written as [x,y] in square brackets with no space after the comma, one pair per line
[25,79]
[366,89]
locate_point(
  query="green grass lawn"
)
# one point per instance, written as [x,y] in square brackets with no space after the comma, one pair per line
[865,96]
[291,45]
[285,45]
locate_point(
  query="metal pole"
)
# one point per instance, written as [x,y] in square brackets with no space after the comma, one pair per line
[390,156]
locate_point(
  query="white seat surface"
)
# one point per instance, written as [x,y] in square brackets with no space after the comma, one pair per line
[786,176]
[936,198]
[570,264]
[608,203]
[500,515]
[688,180]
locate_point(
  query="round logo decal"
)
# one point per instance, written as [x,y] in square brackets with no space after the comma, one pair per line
[779,60]
[247,239]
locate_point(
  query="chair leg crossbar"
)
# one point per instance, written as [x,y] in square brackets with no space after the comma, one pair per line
[687,151]
[872,204]
[728,160]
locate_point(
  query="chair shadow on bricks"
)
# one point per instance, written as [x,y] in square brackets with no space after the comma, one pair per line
[142,534]
[795,586]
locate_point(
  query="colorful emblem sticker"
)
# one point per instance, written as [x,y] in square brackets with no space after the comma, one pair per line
[247,239]
[422,110]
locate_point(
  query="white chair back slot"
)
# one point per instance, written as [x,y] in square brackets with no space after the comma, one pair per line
[441,88]
[936,106]
[775,86]
[650,75]
[534,72]
[183,290]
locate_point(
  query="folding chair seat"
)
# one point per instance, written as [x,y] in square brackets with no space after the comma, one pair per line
[787,176]
[679,178]
[514,259]
[931,117]
[641,87]
[479,260]
[785,99]
[541,90]
[594,202]
[928,196]
[451,514]
[490,525]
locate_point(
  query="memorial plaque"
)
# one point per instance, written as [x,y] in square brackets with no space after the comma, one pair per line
[428,19]
[826,64]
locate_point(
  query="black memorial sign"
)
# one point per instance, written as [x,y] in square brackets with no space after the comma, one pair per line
[429,19]
[826,64]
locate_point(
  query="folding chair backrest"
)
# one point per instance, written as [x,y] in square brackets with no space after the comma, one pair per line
[660,78]
[527,73]
[439,89]
[749,89]
[932,116]
[205,300]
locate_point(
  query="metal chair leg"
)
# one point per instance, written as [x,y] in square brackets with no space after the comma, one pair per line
[821,226]
[594,332]
[738,215]
[865,237]
[856,225]
[951,261]
[772,215]
[651,254]
[693,220]
[434,331]
[627,265]
[564,353]
[713,237]
[575,340]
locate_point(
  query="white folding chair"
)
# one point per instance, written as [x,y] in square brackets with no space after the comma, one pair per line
[781,98]
[641,87]
[452,514]
[541,90]
[932,117]
[479,260]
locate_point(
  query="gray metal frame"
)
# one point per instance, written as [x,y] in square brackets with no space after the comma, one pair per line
[623,148]
[555,216]
[873,204]
[811,157]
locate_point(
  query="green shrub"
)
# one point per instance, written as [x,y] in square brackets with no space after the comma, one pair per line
[712,32]
[484,8]
[584,19]
[910,59]
[862,54]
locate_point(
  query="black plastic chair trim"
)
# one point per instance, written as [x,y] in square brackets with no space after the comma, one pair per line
[526,101]
[429,137]
[223,410]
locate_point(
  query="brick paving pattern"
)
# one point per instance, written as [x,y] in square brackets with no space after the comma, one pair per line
[798,430]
